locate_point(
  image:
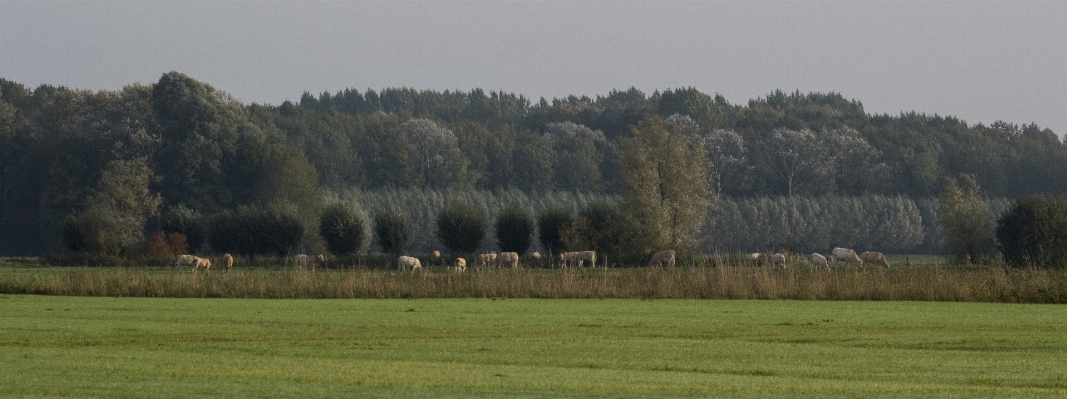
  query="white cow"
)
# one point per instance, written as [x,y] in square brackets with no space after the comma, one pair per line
[847,255]
[819,261]
[486,260]
[408,262]
[303,261]
[536,255]
[778,259]
[663,258]
[509,259]
[579,257]
[754,255]
[461,265]
[184,260]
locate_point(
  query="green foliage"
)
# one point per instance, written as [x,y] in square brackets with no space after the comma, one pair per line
[966,221]
[461,228]
[344,228]
[552,225]
[514,229]
[250,230]
[187,222]
[666,190]
[391,227]
[603,228]
[1034,232]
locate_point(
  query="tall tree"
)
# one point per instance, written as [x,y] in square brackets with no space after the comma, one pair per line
[665,186]
[965,221]
[800,160]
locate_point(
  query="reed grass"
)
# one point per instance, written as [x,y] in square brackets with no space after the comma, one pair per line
[925,283]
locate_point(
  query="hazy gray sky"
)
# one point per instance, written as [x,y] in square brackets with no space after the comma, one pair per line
[979,61]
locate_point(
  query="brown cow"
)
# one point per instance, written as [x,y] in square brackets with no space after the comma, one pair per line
[227,260]
[201,262]
[875,257]
[664,258]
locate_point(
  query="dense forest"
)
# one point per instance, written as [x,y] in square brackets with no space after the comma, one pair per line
[181,142]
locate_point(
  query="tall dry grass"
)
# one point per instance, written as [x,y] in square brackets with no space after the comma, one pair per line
[980,284]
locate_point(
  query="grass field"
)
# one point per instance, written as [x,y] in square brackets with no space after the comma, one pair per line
[63,346]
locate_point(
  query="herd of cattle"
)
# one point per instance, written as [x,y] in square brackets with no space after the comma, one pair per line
[838,254]
[566,259]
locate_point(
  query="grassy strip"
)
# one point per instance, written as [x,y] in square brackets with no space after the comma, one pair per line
[974,284]
[54,346]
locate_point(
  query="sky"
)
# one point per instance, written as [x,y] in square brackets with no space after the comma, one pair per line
[978,61]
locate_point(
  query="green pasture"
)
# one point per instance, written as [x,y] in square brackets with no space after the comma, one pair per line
[151,347]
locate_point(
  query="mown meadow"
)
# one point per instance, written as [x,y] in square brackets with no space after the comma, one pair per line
[52,346]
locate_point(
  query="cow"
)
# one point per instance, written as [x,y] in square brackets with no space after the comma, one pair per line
[778,259]
[184,260]
[663,258]
[580,257]
[536,255]
[847,255]
[201,262]
[754,255]
[303,261]
[509,259]
[875,258]
[486,259]
[461,265]
[819,261]
[436,257]
[227,260]
[408,262]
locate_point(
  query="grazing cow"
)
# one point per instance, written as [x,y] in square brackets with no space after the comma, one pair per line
[663,258]
[819,261]
[303,261]
[227,260]
[847,255]
[436,257]
[461,265]
[754,255]
[509,259]
[485,259]
[875,258]
[408,262]
[580,257]
[778,259]
[536,255]
[184,260]
[201,262]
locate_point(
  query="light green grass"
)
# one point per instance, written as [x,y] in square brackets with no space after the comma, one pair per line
[150,347]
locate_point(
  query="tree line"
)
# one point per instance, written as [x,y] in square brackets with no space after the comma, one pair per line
[106,165]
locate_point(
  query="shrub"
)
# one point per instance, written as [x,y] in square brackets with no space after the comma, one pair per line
[392,230]
[163,244]
[1034,232]
[514,229]
[94,231]
[600,227]
[551,224]
[344,229]
[256,231]
[460,228]
[187,222]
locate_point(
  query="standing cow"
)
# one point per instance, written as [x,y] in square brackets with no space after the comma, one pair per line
[664,258]
[227,260]
[508,259]
[184,260]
